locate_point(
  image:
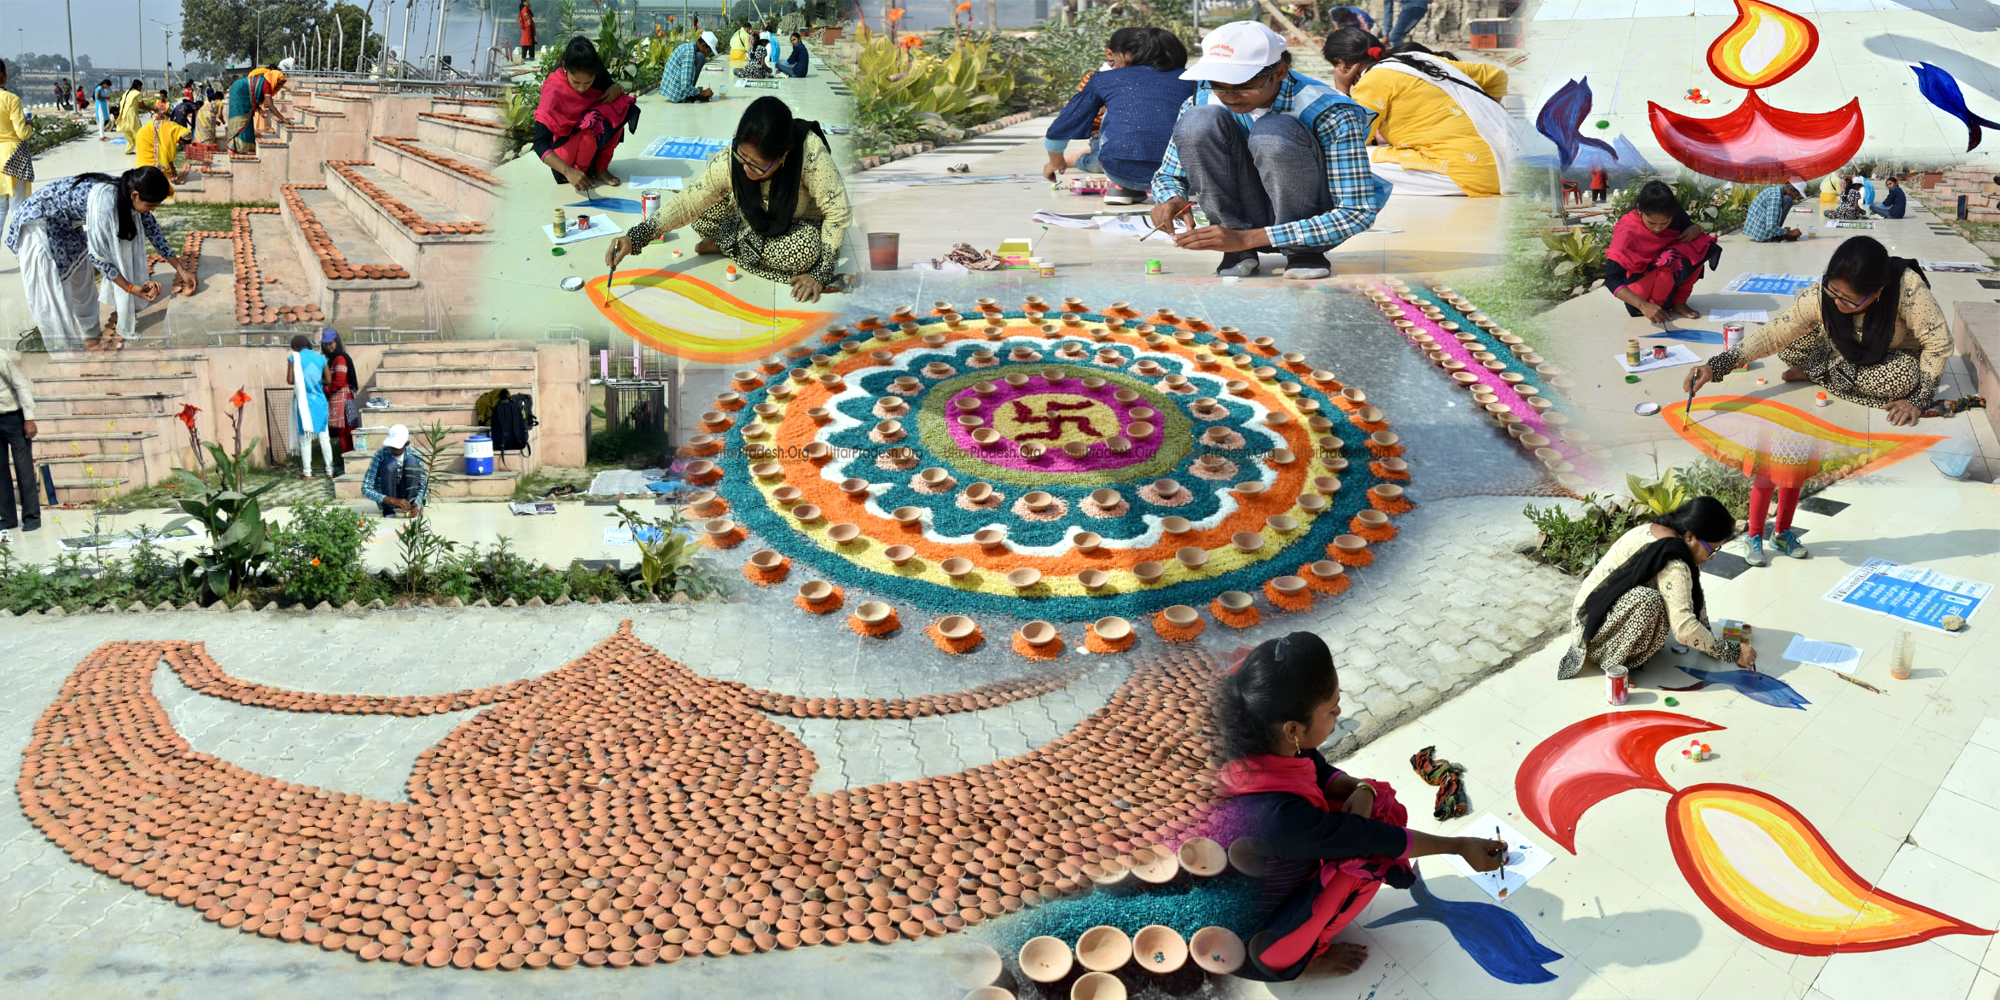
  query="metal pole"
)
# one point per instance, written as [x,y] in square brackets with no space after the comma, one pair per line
[403,56]
[340,53]
[74,76]
[141,8]
[443,19]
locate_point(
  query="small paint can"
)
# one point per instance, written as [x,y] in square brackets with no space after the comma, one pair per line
[649,204]
[1732,336]
[1615,687]
[562,223]
[1152,267]
[1821,400]
[1632,353]
[1048,270]
[1659,352]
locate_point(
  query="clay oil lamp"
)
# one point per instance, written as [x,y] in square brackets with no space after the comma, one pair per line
[1106,498]
[855,488]
[985,437]
[1326,570]
[716,420]
[873,612]
[843,533]
[1139,430]
[1247,541]
[1465,378]
[899,555]
[1283,524]
[701,469]
[1248,489]
[815,591]
[1036,633]
[1149,572]
[1277,418]
[1180,616]
[1208,408]
[1234,602]
[1015,379]
[1093,579]
[1118,445]
[990,538]
[936,478]
[1033,451]
[957,627]
[993,332]
[968,404]
[1265,373]
[1103,949]
[755,429]
[1077,450]
[1312,503]
[1322,377]
[766,560]
[1245,361]
[1533,441]
[1022,355]
[1203,857]
[1514,379]
[908,517]
[833,382]
[978,493]
[1087,542]
[1159,949]
[1540,404]
[801,374]
[1281,456]
[706,503]
[889,430]
[882,357]
[989,305]
[781,390]
[767,470]
[937,369]
[1192,556]
[956,567]
[1038,501]
[1395,466]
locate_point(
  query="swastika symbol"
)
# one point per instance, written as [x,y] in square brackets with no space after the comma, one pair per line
[1052,418]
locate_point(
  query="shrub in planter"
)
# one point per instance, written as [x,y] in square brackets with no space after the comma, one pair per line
[317,555]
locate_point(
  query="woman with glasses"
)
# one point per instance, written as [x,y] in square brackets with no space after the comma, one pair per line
[773,203]
[1646,587]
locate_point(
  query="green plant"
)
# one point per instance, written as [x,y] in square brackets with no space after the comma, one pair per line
[424,554]
[1573,543]
[1660,496]
[669,557]
[582,583]
[889,73]
[317,555]
[154,576]
[1575,258]
[46,132]
[501,573]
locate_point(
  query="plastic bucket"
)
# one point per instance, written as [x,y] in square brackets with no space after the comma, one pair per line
[479,455]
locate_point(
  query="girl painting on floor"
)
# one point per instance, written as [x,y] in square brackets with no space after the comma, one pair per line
[1647,587]
[1656,255]
[773,203]
[1333,838]
[1439,126]
[580,119]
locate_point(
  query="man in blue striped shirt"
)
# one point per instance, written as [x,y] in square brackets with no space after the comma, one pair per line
[1277,160]
[683,70]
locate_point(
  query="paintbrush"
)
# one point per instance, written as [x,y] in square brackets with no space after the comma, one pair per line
[1189,209]
[1503,854]
[1856,681]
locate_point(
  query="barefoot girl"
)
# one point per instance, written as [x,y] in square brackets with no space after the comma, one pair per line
[1333,838]
[1656,255]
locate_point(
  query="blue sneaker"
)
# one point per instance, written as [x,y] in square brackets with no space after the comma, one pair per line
[1787,542]
[1754,551]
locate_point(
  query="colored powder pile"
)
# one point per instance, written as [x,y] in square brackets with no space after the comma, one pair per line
[1228,900]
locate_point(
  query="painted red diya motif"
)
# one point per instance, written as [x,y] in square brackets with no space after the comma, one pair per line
[1757,143]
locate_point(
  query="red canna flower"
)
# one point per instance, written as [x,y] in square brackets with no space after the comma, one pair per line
[187,415]
[895,14]
[909,42]
[240,400]
[962,8]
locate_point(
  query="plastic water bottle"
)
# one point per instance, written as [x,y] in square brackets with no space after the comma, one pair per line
[1904,657]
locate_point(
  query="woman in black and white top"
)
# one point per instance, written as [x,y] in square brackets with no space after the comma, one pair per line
[100,218]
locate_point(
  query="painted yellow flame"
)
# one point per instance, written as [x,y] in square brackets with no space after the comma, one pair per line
[1766,44]
[689,318]
[1764,869]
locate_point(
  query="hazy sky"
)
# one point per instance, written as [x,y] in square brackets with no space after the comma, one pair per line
[108,30]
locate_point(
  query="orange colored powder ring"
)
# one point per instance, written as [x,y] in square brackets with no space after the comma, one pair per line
[1235,619]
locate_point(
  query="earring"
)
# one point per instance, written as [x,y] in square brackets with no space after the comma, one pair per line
[1295,744]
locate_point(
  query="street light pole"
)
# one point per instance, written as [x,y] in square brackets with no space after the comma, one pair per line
[75,78]
[166,37]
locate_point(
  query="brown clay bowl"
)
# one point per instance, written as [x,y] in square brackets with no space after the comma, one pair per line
[1247,541]
[1390,491]
[1282,523]
[1235,600]
[978,492]
[1312,503]
[990,537]
[908,516]
[1203,857]
[843,533]
[1395,465]
[956,567]
[815,591]
[1038,500]
[766,559]
[1023,578]
[873,612]
[1281,456]
[1112,628]
[1046,959]
[1032,451]
[985,437]
[1192,556]
[806,513]
[957,627]
[1093,579]
[1180,615]
[899,554]
[1350,543]
[1076,449]
[854,487]
[767,470]
[1139,429]
[1249,488]
[1103,949]
[1038,633]
[1176,525]
[1098,986]
[1371,517]
[1159,949]
[1105,497]
[1327,569]
[1087,541]
[1290,586]
[1149,572]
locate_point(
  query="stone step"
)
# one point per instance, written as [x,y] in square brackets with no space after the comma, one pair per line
[444,355]
[96,440]
[484,109]
[72,486]
[130,361]
[108,406]
[92,467]
[49,386]
[355,280]
[459,179]
[462,133]
[417,212]
[460,394]
[417,378]
[278,286]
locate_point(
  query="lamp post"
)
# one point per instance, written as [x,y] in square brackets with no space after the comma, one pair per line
[75,77]
[166,37]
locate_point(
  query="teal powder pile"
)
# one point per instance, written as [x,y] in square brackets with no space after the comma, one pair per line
[1186,906]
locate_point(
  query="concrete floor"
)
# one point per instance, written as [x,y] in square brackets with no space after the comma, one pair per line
[522,280]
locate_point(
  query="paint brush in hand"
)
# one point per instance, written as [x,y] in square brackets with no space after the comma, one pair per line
[1502,873]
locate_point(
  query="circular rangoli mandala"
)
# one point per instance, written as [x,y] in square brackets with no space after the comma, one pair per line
[928,459]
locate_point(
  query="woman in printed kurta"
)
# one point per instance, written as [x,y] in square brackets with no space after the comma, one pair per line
[99,219]
[1646,588]
[773,203]
[1333,838]
[1439,125]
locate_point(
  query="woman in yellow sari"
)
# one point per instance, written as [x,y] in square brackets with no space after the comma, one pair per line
[208,122]
[130,116]
[1439,126]
[160,143]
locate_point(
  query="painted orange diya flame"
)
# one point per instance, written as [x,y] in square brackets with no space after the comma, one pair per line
[1763,437]
[686,317]
[1765,870]
[1591,761]
[1766,44]
[1757,143]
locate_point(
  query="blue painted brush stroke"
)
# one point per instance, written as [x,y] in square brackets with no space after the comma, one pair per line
[626,205]
[1691,336]
[1940,89]
[1562,117]
[1495,938]
[1757,686]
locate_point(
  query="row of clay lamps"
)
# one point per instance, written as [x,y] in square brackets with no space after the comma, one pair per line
[1102,952]
[400,212]
[250,280]
[404,143]
[332,262]
[444,116]
[619,810]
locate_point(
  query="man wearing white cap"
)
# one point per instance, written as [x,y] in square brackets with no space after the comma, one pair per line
[1277,160]
[392,481]
[683,70]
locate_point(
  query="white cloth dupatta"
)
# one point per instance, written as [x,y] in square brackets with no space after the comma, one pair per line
[300,401]
[1492,122]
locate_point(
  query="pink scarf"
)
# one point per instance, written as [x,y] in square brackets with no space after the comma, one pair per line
[565,111]
[1638,249]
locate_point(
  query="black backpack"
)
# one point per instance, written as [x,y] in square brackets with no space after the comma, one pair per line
[513,417]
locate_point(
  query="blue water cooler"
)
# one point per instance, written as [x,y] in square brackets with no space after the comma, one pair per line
[479,455]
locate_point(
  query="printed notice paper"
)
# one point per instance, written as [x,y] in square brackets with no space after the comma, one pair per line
[1914,594]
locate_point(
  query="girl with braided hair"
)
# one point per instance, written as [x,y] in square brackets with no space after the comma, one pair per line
[1439,126]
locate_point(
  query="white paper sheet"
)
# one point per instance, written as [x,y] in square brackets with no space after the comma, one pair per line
[655,183]
[1677,354]
[1525,858]
[576,235]
[1819,653]
[1739,315]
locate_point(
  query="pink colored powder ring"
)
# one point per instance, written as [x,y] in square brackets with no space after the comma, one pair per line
[1036,408]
